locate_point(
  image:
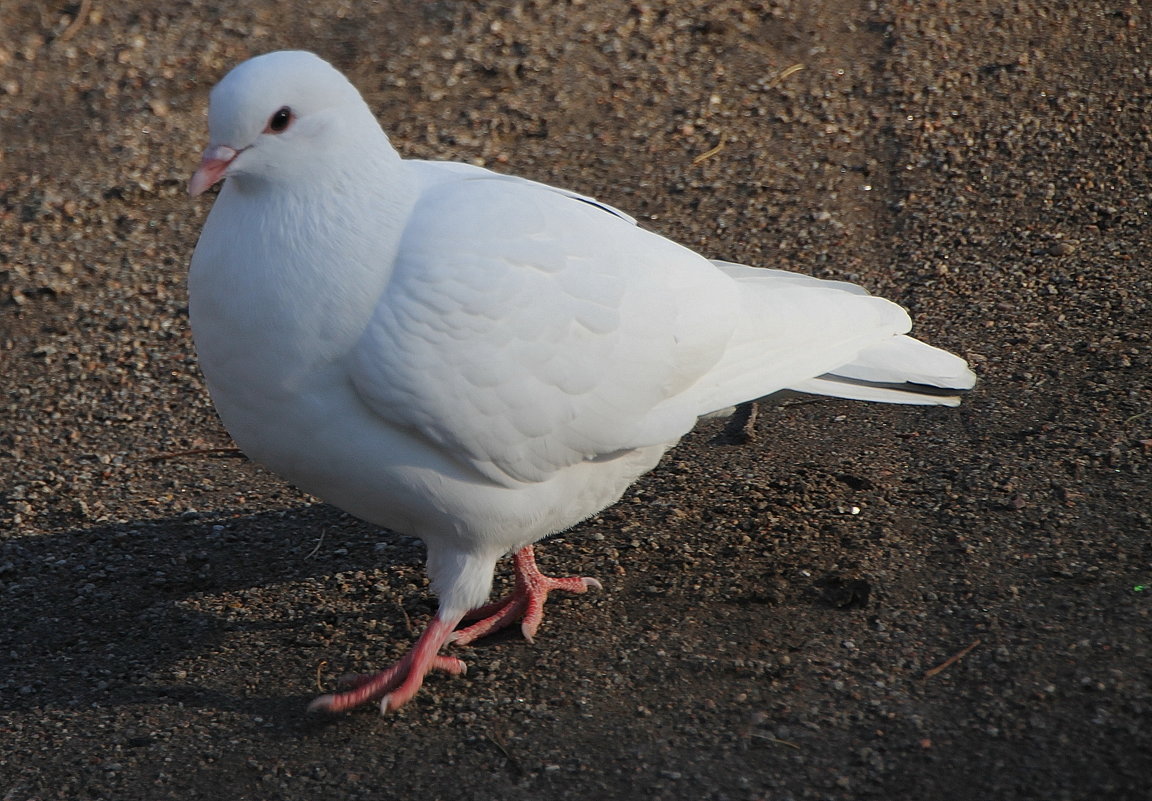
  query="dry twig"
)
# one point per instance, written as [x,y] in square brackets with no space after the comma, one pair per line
[407,620]
[193,452]
[319,542]
[708,154]
[784,73]
[950,661]
[498,741]
[77,23]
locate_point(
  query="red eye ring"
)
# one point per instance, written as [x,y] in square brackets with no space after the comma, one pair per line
[279,122]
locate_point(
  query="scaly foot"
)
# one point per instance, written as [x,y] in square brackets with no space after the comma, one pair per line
[395,686]
[525,601]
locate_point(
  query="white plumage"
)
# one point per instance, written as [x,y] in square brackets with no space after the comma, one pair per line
[476,359]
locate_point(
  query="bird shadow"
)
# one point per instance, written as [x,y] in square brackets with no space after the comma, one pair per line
[105,615]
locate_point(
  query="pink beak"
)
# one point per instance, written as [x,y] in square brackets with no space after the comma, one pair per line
[213,165]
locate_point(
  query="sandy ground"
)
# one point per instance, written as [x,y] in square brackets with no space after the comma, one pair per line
[863,602]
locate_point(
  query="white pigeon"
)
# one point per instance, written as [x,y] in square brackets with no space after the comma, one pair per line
[476,359]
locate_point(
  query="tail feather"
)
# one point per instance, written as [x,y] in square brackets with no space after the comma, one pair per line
[914,394]
[903,359]
[898,370]
[849,344]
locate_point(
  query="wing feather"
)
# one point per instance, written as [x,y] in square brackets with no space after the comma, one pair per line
[525,330]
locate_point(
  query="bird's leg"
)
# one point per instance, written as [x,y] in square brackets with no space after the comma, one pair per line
[395,686]
[526,601]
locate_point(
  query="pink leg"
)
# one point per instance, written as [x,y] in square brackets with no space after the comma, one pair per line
[526,600]
[396,685]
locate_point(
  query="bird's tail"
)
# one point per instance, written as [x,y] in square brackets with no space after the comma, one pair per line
[899,370]
[893,368]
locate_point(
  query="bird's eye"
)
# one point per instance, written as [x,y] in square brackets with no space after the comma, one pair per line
[279,122]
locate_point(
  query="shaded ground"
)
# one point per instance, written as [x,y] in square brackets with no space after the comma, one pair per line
[772,611]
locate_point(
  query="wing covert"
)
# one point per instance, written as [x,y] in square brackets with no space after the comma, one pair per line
[525,330]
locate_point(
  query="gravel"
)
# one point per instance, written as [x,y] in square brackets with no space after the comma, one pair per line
[858,602]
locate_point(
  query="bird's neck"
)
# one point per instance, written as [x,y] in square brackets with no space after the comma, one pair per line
[298,272]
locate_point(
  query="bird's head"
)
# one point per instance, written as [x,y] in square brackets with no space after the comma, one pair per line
[278,118]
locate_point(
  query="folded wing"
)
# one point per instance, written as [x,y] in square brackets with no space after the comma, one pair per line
[527,329]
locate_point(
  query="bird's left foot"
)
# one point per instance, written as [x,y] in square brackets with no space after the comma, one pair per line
[394,687]
[526,601]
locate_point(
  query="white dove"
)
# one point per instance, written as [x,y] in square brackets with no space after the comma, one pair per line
[476,359]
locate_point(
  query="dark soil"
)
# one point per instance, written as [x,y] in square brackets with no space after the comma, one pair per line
[862,602]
